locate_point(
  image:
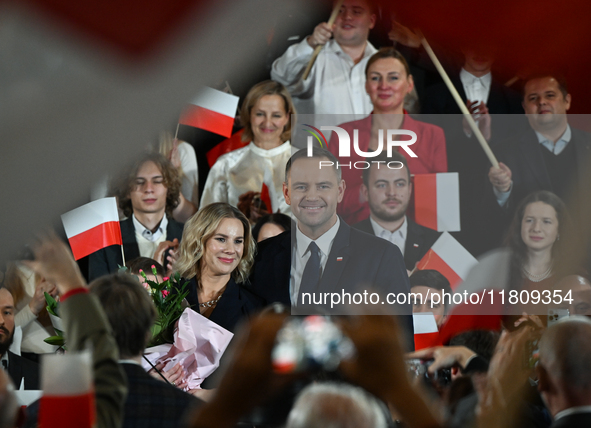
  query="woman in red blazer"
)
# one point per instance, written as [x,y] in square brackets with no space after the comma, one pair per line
[388,81]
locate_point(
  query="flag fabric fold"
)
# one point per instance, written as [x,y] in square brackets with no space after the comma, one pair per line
[211,110]
[92,227]
[448,257]
[437,201]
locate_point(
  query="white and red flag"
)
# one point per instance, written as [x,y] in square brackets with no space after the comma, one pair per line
[437,201]
[448,257]
[68,392]
[426,333]
[211,110]
[92,227]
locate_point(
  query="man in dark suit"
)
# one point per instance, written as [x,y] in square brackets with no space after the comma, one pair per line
[18,368]
[324,254]
[150,402]
[147,196]
[564,375]
[388,193]
[551,155]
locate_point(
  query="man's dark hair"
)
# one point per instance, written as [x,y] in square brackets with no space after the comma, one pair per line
[278,219]
[430,278]
[129,309]
[123,187]
[383,157]
[316,154]
[546,73]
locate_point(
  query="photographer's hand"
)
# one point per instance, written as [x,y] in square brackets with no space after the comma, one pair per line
[379,367]
[444,357]
[249,377]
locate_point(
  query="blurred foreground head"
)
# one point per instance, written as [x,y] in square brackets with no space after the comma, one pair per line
[8,403]
[564,372]
[332,405]
[129,309]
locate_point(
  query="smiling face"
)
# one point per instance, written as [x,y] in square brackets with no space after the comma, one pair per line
[545,104]
[353,23]
[313,194]
[539,226]
[6,320]
[223,251]
[388,193]
[387,84]
[268,119]
[149,193]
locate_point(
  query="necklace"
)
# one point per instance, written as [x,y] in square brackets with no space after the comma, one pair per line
[537,278]
[211,303]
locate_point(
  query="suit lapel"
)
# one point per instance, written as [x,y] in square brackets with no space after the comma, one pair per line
[282,266]
[496,101]
[530,147]
[130,246]
[413,244]
[337,259]
[15,369]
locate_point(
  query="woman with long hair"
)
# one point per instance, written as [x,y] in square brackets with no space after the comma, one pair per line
[388,82]
[240,175]
[216,255]
[534,239]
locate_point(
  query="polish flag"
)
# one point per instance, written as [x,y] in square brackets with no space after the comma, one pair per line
[426,334]
[68,395]
[92,227]
[211,110]
[437,201]
[448,257]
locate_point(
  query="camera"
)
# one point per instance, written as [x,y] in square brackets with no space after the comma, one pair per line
[310,343]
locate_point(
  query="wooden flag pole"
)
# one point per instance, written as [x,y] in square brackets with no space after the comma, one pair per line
[123,255]
[317,49]
[461,105]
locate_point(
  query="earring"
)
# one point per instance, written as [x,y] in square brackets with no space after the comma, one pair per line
[558,238]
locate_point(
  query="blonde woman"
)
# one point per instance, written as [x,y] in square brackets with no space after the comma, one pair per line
[216,255]
[266,116]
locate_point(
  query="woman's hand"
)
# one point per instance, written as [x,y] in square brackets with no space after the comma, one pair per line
[174,156]
[172,255]
[176,376]
[38,302]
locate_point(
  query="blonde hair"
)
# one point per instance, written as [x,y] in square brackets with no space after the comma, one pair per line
[200,228]
[258,91]
[165,146]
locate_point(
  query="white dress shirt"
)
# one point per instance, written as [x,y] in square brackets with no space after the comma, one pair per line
[476,88]
[398,237]
[555,148]
[147,241]
[336,85]
[301,255]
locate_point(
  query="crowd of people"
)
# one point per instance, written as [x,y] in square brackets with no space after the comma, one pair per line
[276,229]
